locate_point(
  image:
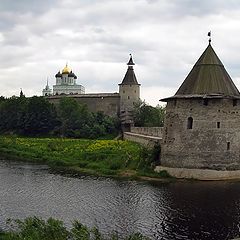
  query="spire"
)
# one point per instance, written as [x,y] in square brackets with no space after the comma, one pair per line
[21,93]
[208,77]
[130,78]
[130,62]
[209,35]
[47,86]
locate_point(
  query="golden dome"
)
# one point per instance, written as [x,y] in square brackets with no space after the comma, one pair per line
[66,69]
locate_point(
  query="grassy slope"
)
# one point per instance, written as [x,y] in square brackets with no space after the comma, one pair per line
[105,157]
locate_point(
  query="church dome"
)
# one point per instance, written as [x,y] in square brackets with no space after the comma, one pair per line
[71,74]
[58,74]
[66,69]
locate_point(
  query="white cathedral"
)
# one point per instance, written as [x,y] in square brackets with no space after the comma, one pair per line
[65,84]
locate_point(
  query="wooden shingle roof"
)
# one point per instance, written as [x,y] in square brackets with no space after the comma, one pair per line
[208,77]
[130,77]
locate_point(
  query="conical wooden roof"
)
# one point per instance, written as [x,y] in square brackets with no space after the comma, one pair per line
[130,77]
[208,77]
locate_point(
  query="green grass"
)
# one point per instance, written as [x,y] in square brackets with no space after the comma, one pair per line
[103,157]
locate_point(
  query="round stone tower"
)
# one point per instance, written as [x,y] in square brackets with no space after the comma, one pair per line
[202,123]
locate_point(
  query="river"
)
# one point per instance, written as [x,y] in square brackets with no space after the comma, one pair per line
[162,210]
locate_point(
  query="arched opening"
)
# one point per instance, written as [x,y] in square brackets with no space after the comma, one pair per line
[190,123]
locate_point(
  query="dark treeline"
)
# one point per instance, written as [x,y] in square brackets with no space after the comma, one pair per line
[37,116]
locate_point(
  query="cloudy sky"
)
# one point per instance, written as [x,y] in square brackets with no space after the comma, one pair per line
[95,37]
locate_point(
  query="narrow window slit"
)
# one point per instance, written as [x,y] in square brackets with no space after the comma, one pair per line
[228,145]
[190,123]
[234,102]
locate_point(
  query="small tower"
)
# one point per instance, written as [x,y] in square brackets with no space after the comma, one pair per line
[47,91]
[129,89]
[202,126]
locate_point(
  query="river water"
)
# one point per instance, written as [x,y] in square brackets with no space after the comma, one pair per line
[176,210]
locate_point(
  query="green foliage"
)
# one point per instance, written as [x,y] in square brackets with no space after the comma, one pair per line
[145,115]
[150,157]
[36,116]
[27,116]
[108,157]
[34,228]
[40,116]
[77,121]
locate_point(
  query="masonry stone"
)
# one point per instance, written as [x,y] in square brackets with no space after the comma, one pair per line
[118,104]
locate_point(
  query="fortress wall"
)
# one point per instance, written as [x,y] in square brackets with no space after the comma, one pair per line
[150,131]
[148,141]
[212,143]
[108,103]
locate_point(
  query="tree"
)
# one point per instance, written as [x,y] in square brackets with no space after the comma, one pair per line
[145,115]
[40,116]
[78,121]
[12,114]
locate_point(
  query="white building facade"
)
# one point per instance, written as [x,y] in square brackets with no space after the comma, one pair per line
[65,84]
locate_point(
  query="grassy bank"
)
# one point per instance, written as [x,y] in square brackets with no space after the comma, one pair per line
[34,228]
[103,157]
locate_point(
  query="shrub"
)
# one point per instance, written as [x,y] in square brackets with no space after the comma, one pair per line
[33,228]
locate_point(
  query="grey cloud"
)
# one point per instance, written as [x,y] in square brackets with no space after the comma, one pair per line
[35,6]
[165,38]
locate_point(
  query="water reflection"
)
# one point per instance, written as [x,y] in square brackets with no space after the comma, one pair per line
[179,210]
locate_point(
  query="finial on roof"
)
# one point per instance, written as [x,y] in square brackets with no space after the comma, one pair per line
[209,35]
[130,62]
[21,93]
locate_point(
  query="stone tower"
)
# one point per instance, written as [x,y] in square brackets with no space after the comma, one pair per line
[129,91]
[202,123]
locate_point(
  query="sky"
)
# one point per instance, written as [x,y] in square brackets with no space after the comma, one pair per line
[95,38]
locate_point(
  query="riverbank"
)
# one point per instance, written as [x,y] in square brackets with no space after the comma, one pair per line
[114,158]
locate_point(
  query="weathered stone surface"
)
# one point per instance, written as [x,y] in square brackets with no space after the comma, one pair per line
[108,103]
[149,131]
[200,174]
[148,141]
[214,140]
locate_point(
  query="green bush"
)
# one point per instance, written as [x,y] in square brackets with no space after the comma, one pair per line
[33,228]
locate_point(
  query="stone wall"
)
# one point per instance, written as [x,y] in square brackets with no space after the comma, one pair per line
[108,103]
[130,94]
[213,140]
[200,174]
[150,131]
[148,141]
